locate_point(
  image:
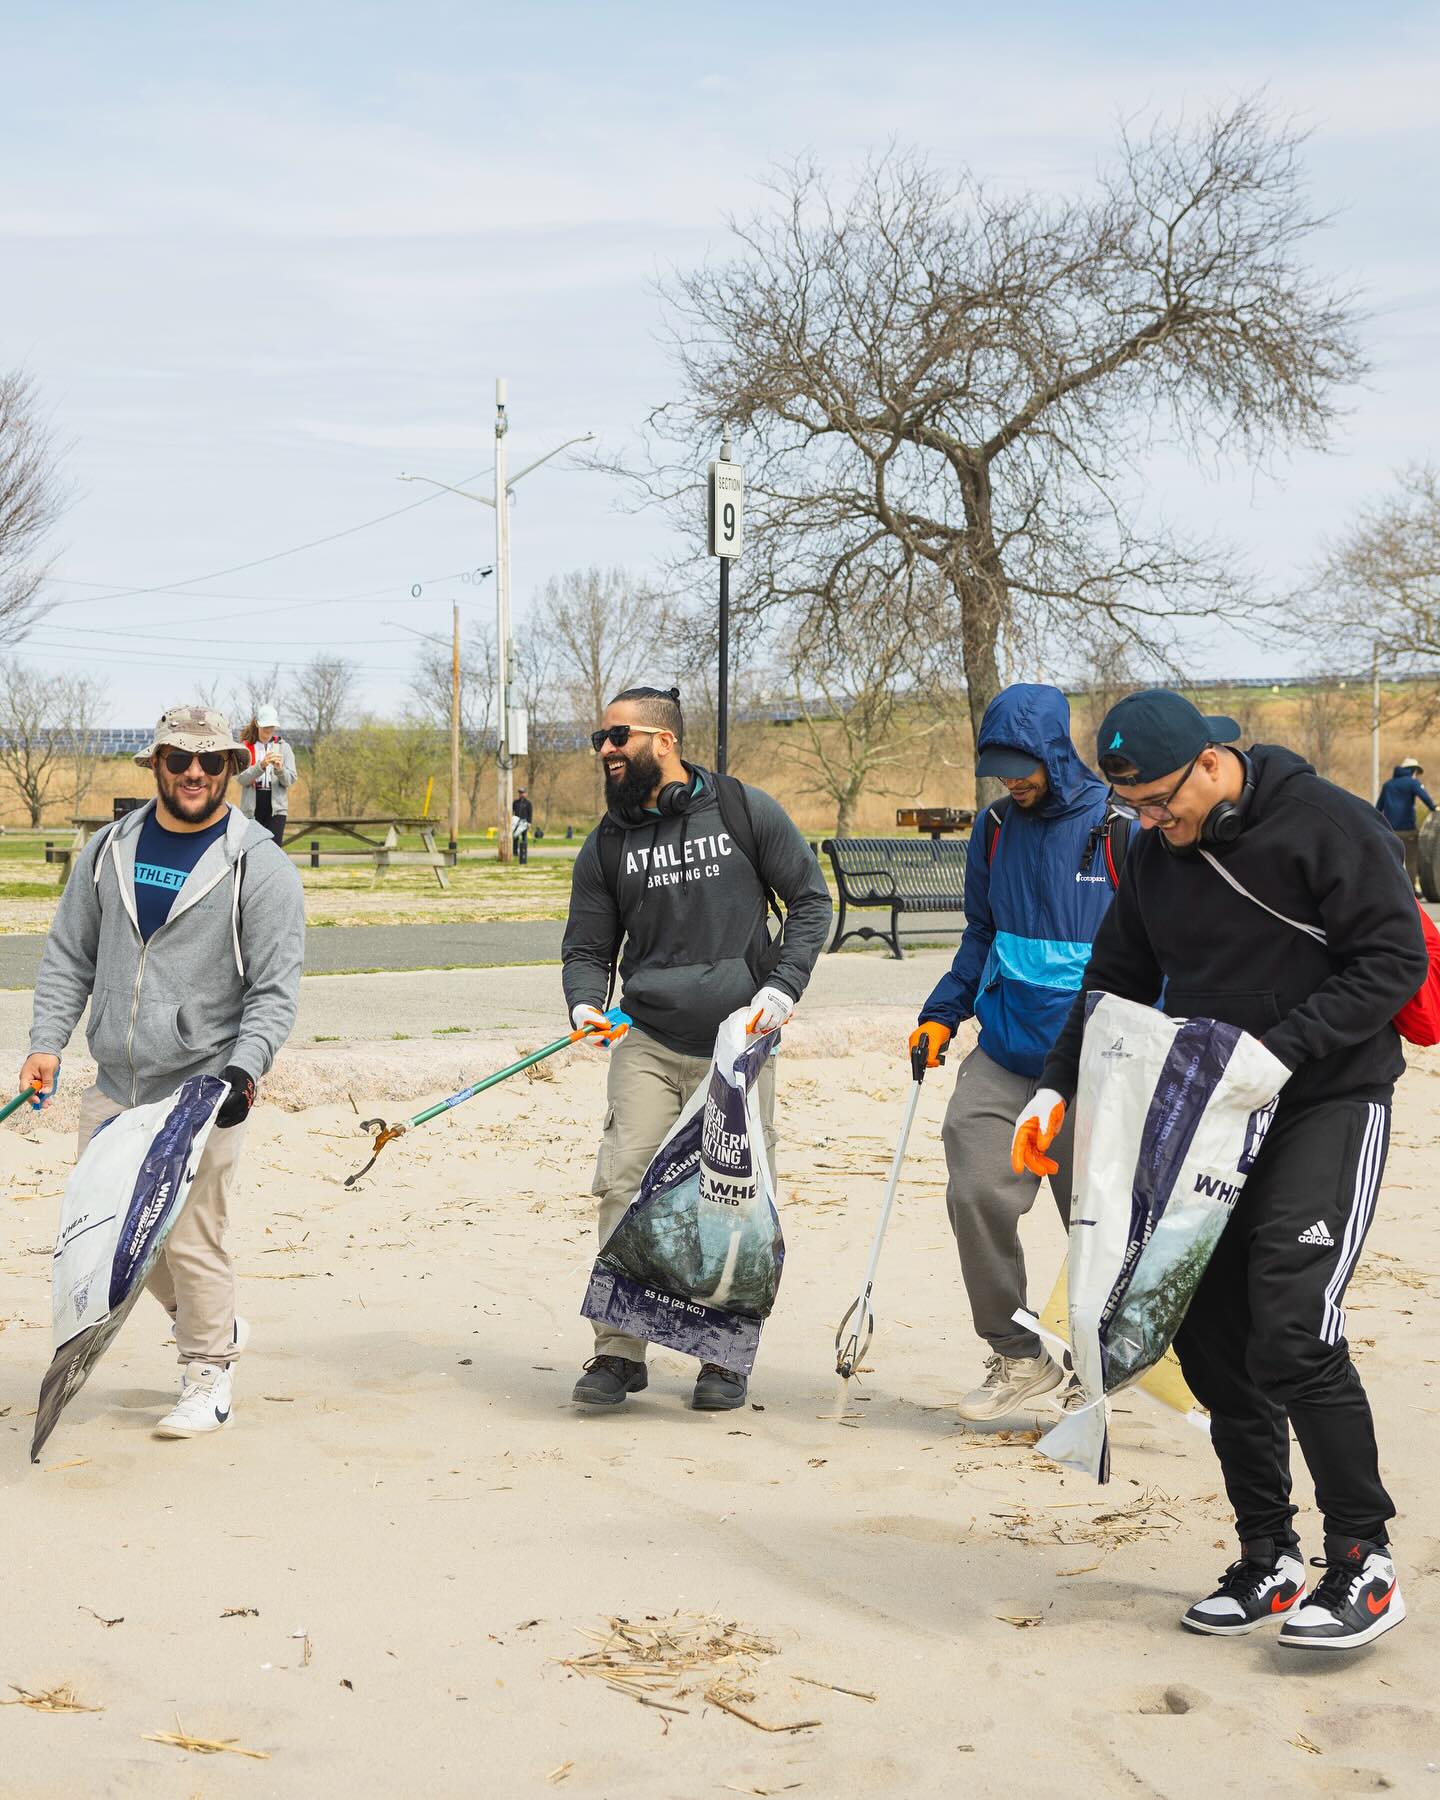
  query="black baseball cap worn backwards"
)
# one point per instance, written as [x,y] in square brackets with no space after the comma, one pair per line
[1155,732]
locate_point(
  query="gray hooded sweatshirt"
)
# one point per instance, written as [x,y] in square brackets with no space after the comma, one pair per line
[217,984]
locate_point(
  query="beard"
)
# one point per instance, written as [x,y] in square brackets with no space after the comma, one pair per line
[193,812]
[635,786]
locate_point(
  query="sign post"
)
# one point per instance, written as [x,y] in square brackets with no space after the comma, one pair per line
[726,510]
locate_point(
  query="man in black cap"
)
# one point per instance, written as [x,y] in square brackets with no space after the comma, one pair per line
[1264,896]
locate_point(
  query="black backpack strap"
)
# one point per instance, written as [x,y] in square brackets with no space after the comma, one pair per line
[735,811]
[994,820]
[1112,836]
[608,837]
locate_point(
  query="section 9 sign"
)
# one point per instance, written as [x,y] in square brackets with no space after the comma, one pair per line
[726,508]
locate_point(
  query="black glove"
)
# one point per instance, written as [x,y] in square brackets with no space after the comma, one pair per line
[235,1108]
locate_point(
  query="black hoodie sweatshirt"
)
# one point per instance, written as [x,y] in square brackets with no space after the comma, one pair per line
[693,911]
[1313,852]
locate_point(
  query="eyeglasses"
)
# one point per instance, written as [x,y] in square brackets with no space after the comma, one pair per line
[1159,808]
[619,735]
[210,761]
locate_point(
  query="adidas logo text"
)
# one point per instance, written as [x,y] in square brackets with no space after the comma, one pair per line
[1318,1233]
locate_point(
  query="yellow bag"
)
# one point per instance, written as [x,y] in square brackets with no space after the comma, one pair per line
[1164,1381]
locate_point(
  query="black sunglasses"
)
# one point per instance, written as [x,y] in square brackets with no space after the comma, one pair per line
[619,735]
[211,761]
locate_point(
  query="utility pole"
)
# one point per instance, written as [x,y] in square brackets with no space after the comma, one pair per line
[455,734]
[504,485]
[1374,721]
[502,629]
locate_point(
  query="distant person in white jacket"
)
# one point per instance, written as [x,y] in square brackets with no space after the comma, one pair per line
[265,785]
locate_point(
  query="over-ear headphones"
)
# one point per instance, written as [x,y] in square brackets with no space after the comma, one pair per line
[1226,819]
[674,798]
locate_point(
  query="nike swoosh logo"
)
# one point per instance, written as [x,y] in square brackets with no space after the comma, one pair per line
[1378,1606]
[222,1417]
[1280,1603]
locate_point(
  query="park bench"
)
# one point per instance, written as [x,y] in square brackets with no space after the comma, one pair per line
[899,875]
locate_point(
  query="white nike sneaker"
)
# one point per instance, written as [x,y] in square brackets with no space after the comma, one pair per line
[204,1403]
[1009,1382]
[239,1338]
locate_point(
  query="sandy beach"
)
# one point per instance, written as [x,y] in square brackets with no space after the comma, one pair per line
[382,1575]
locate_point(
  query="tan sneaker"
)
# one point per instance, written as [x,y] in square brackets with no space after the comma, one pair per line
[1011,1381]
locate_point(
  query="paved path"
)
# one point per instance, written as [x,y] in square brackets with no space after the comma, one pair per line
[346,949]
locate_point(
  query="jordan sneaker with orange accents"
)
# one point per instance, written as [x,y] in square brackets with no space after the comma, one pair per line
[1264,1585]
[1357,1599]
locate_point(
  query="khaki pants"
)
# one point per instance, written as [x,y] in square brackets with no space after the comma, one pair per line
[193,1279]
[647,1089]
[1411,842]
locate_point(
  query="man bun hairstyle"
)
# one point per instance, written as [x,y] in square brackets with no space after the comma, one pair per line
[659,707]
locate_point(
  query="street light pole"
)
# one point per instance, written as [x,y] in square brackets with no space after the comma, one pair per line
[1375,720]
[502,628]
[504,489]
[455,734]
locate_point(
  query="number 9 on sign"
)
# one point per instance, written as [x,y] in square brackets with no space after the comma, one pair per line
[726,508]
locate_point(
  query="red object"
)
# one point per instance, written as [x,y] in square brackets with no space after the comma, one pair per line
[1418,1020]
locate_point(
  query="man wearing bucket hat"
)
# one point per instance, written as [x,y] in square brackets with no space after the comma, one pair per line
[1261,895]
[183,927]
[268,775]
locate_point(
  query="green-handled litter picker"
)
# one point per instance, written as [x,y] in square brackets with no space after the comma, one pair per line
[618,1023]
[32,1094]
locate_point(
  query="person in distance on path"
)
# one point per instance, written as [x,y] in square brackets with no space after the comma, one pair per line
[183,926]
[522,816]
[268,774]
[1038,881]
[1239,853]
[675,883]
[1396,805]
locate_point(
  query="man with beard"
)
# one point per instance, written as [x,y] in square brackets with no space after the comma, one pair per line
[675,885]
[183,926]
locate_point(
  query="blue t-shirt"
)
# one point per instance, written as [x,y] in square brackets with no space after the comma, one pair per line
[162,861]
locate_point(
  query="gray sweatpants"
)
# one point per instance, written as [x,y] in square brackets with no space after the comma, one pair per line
[987,1200]
[647,1089]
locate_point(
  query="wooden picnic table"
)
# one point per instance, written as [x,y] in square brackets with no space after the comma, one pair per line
[380,836]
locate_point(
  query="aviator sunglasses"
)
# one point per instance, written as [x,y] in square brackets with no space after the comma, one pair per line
[619,735]
[211,761]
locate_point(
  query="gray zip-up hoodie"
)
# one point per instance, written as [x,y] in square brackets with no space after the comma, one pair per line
[217,984]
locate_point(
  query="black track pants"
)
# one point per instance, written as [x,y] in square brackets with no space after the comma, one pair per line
[1264,1340]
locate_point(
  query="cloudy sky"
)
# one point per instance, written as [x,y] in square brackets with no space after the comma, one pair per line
[262,259]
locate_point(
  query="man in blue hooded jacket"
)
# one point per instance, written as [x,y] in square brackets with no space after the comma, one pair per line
[1396,805]
[1038,880]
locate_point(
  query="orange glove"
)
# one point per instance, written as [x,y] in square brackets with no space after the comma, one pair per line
[935,1037]
[1035,1131]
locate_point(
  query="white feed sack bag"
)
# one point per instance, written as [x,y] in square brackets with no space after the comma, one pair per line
[122,1197]
[1170,1116]
[695,1261]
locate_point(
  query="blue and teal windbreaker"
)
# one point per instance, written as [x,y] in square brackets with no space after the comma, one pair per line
[1032,913]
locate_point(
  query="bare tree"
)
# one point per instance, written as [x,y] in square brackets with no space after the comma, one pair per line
[322,700]
[31,500]
[862,671]
[81,701]
[609,633]
[259,687]
[976,377]
[1330,708]
[1381,585]
[535,684]
[32,748]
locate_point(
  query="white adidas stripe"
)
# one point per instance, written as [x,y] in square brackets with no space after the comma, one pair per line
[1362,1208]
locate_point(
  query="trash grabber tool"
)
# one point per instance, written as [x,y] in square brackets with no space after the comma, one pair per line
[850,1351]
[38,1087]
[385,1133]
